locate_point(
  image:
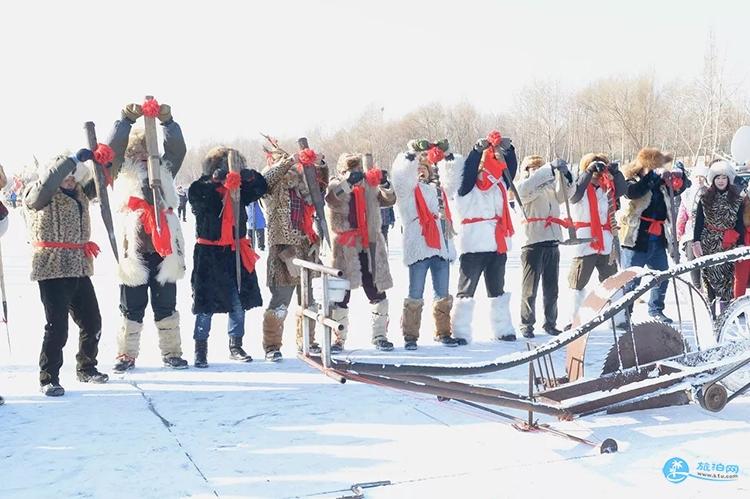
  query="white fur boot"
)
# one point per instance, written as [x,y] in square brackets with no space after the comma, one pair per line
[461,317]
[501,323]
[578,296]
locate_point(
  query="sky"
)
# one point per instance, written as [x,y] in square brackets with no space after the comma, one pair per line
[232,69]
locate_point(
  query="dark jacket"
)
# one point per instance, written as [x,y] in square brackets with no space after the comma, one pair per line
[657,209]
[214,272]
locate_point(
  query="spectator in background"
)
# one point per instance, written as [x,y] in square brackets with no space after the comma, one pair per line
[256,225]
[182,207]
[389,220]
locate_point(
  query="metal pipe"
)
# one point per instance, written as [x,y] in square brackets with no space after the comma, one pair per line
[321,319]
[305,297]
[326,329]
[318,267]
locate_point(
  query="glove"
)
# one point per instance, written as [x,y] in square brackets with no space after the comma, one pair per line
[410,156]
[354,177]
[560,165]
[384,178]
[614,166]
[697,249]
[481,145]
[220,174]
[449,157]
[84,155]
[132,112]
[247,175]
[165,114]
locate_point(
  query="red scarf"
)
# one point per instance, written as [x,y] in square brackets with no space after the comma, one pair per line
[162,241]
[90,248]
[490,166]
[247,254]
[308,212]
[597,232]
[427,220]
[349,238]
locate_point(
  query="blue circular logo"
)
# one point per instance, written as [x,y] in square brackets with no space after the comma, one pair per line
[676,470]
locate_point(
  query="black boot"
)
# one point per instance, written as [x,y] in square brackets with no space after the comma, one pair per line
[235,350]
[201,351]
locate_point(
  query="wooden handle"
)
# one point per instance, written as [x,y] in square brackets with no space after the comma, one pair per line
[367,161]
[90,134]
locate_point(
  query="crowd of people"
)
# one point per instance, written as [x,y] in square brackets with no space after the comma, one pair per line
[451,206]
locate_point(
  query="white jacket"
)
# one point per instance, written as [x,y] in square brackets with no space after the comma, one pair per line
[404,179]
[486,205]
[541,195]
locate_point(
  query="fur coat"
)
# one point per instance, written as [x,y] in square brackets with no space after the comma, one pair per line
[132,181]
[286,241]
[54,216]
[472,202]
[339,205]
[646,193]
[404,184]
[214,273]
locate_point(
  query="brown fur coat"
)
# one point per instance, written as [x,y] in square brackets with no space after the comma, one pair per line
[338,195]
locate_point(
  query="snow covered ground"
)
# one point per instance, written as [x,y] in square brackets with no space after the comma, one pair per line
[285,430]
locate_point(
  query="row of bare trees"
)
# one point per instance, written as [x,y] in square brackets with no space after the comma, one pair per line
[693,119]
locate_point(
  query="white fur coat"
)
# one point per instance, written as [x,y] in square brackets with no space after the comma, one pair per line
[132,269]
[479,236]
[415,248]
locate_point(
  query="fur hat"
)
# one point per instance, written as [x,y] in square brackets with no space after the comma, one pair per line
[589,158]
[348,162]
[648,159]
[533,161]
[217,158]
[721,168]
[137,145]
[699,171]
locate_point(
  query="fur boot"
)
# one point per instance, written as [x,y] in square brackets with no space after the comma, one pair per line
[578,296]
[461,318]
[169,336]
[502,325]
[441,314]
[313,347]
[129,339]
[379,320]
[411,319]
[273,328]
[341,315]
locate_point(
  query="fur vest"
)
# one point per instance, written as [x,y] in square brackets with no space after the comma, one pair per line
[63,220]
[131,237]
[404,183]
[345,257]
[479,236]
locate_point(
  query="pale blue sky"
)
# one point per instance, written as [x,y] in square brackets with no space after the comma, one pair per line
[283,66]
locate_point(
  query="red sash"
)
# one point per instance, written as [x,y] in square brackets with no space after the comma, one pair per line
[427,220]
[655,227]
[90,248]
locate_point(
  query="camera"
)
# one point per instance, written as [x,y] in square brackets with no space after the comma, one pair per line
[599,166]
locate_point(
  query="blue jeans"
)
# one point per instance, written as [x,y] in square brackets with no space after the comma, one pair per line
[236,325]
[655,258]
[439,270]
